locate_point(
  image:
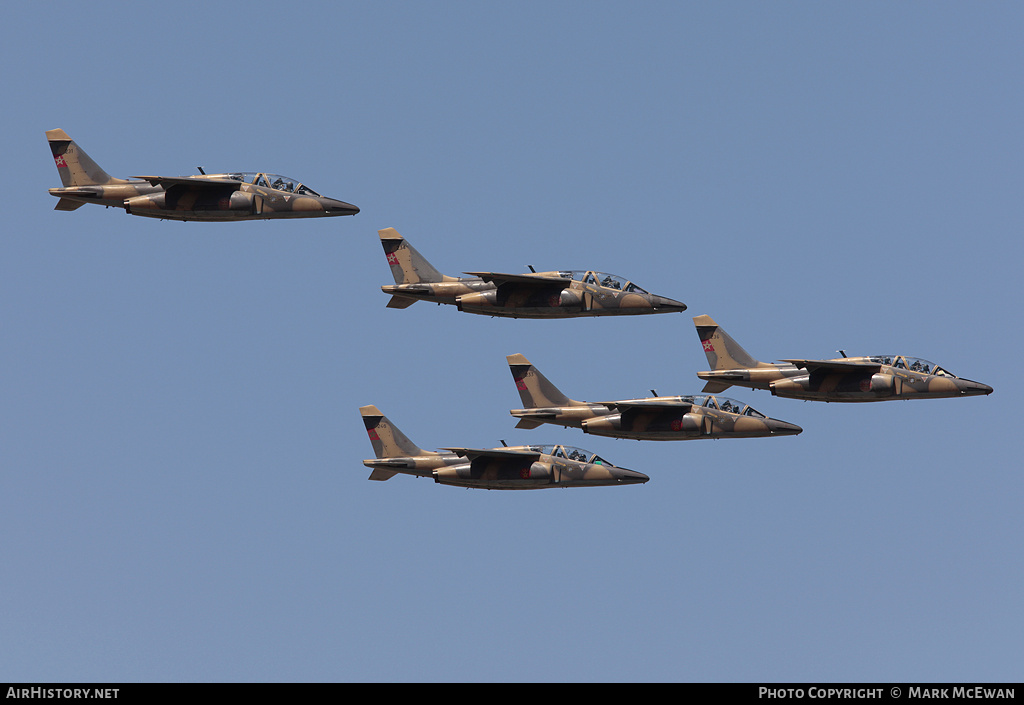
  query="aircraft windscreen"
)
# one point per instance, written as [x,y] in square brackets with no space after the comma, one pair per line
[274,181]
[570,453]
[914,364]
[609,281]
[729,405]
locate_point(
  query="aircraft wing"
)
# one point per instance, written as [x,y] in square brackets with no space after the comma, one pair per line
[499,453]
[541,281]
[835,365]
[651,405]
[192,182]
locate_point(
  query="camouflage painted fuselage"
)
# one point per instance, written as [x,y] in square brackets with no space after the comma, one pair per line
[573,299]
[203,197]
[506,468]
[653,418]
[846,379]
[557,294]
[663,419]
[521,469]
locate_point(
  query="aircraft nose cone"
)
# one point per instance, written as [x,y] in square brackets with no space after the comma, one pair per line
[339,207]
[665,303]
[782,428]
[631,477]
[974,388]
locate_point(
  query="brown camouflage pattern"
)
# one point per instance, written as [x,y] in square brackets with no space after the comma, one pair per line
[534,295]
[845,379]
[531,467]
[202,197]
[653,418]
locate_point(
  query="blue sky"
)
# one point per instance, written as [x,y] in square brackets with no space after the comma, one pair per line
[184,498]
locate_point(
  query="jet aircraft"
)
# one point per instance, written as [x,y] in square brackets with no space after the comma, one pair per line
[652,419]
[202,197]
[532,467]
[845,379]
[561,294]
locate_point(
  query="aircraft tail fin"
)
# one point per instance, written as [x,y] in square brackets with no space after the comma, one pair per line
[722,351]
[407,265]
[74,165]
[387,440]
[534,388]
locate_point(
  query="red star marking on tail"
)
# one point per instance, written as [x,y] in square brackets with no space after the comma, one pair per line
[392,258]
[372,433]
[708,347]
[59,159]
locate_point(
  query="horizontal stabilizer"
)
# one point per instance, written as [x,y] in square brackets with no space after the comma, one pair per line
[527,423]
[66,204]
[400,302]
[380,474]
[390,463]
[715,387]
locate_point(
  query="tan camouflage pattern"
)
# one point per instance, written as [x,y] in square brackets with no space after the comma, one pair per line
[531,467]
[534,295]
[845,379]
[675,418]
[202,197]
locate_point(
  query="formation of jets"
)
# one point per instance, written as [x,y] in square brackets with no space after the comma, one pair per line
[555,294]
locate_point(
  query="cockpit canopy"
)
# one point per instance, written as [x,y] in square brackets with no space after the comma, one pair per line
[274,181]
[914,364]
[725,404]
[571,453]
[609,281]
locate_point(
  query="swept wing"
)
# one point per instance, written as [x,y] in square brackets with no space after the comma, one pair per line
[499,453]
[649,405]
[193,182]
[540,281]
[836,365]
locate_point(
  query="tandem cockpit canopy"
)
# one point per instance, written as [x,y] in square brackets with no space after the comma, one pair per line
[570,453]
[609,281]
[913,364]
[725,404]
[274,181]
